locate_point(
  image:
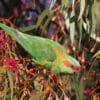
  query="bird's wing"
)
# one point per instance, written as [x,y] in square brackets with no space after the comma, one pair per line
[39,48]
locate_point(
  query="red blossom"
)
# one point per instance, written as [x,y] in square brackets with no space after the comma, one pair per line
[12,65]
[1,40]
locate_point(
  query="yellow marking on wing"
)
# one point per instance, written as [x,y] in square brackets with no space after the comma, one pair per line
[44,62]
[60,55]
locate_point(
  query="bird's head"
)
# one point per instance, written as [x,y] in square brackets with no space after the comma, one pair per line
[71,62]
[69,65]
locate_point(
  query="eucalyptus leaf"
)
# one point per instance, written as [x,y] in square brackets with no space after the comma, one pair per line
[52,4]
[67,19]
[47,22]
[64,3]
[82,7]
[37,95]
[97,54]
[2,71]
[80,32]
[72,27]
[41,17]
[96,38]
[93,23]
[5,89]
[9,73]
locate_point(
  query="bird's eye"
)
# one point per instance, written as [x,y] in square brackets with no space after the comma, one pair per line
[67,63]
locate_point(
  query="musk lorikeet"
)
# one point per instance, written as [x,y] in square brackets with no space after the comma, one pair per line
[49,54]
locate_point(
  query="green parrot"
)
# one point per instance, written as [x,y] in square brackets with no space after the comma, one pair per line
[49,54]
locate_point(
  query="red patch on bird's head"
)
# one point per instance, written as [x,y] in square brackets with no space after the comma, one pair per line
[76,68]
[67,63]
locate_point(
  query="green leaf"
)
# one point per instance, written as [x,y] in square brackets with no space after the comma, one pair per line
[86,26]
[9,73]
[46,23]
[97,54]
[96,38]
[81,89]
[78,87]
[72,27]
[67,19]
[37,96]
[64,3]
[80,32]
[28,28]
[41,17]
[5,89]
[52,4]
[82,7]
[93,17]
[2,71]
[72,32]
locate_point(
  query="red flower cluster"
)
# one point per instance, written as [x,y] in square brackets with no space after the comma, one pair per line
[11,64]
[2,41]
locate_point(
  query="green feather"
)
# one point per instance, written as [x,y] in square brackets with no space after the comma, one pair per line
[46,52]
[32,44]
